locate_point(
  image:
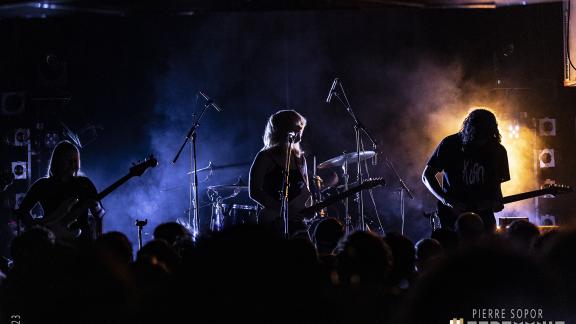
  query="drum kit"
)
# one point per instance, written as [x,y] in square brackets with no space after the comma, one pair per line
[226,214]
[226,211]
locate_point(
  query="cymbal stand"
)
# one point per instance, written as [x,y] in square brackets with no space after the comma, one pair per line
[191,136]
[403,188]
[347,219]
[358,128]
[217,217]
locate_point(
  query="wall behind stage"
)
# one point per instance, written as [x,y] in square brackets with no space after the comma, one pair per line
[132,84]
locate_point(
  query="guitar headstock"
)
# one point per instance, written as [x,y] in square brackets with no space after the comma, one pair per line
[556,189]
[138,168]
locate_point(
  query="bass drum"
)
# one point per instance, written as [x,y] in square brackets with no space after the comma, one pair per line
[325,231]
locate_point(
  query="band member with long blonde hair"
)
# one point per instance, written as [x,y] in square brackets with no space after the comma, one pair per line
[284,128]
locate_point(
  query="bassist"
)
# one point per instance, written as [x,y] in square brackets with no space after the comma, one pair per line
[474,164]
[60,190]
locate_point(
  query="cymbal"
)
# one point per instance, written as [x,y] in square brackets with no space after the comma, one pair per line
[228,187]
[240,185]
[349,157]
[211,166]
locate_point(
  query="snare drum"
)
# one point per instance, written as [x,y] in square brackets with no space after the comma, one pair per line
[244,214]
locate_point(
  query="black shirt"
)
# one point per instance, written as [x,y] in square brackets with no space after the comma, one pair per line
[274,179]
[474,174]
[50,193]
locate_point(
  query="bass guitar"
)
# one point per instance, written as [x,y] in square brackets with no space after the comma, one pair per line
[445,216]
[64,220]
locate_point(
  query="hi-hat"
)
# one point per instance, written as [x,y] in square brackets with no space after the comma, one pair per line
[349,158]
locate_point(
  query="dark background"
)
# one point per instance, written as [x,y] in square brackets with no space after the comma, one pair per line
[127,86]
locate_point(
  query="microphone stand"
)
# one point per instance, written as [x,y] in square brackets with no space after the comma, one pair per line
[285,186]
[403,188]
[191,136]
[140,224]
[358,128]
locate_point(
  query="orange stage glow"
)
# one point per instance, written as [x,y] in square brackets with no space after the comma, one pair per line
[520,141]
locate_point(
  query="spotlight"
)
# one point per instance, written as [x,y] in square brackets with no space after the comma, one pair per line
[13,103]
[546,157]
[21,137]
[19,170]
[514,130]
[547,126]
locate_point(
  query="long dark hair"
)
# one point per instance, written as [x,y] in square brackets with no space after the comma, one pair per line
[480,124]
[58,154]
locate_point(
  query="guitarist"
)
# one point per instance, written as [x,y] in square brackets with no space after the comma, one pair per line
[474,164]
[61,190]
[266,173]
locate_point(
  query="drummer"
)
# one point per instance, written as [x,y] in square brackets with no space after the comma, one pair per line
[266,173]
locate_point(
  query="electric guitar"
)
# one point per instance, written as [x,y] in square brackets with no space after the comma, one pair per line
[366,184]
[445,216]
[64,220]
[297,208]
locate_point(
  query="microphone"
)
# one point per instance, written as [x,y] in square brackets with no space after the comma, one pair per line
[375,157]
[334,83]
[210,101]
[291,136]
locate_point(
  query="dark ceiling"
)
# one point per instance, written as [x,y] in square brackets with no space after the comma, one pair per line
[41,9]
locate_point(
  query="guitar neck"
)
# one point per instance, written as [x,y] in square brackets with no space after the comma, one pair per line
[524,195]
[336,198]
[113,187]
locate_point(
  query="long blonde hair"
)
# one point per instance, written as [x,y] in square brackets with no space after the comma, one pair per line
[279,125]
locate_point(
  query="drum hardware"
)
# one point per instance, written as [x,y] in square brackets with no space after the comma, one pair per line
[229,214]
[194,218]
[338,91]
[226,215]
[229,187]
[239,186]
[343,161]
[217,216]
[347,219]
[211,167]
[339,161]
[402,188]
[317,189]
[244,214]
